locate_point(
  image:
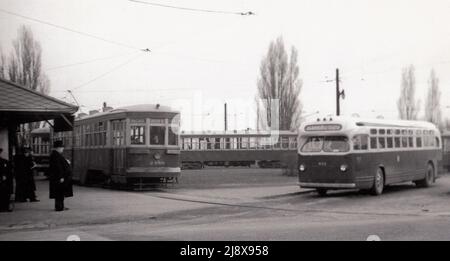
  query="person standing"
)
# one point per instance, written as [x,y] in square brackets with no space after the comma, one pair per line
[6,184]
[60,176]
[24,174]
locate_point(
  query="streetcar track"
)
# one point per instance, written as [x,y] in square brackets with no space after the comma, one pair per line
[291,210]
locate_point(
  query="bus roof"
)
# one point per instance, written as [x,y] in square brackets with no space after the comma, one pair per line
[348,123]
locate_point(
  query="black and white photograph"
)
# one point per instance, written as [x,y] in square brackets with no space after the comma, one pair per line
[243,122]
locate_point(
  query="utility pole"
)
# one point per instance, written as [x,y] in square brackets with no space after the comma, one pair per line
[339,93]
[225,115]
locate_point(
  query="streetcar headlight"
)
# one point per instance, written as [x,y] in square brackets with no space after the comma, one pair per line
[344,167]
[157,156]
[302,167]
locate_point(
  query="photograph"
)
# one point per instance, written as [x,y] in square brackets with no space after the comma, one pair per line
[224,129]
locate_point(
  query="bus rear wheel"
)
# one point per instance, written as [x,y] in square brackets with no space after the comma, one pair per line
[322,192]
[428,180]
[378,183]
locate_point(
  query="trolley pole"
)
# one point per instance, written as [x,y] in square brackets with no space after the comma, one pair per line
[338,108]
[339,94]
[225,116]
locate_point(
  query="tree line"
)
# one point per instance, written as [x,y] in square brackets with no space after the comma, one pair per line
[279,82]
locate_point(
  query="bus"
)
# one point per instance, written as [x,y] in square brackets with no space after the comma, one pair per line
[351,153]
[133,146]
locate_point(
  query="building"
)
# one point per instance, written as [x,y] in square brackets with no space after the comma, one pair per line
[19,105]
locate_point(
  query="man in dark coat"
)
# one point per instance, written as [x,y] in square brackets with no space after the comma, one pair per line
[60,175]
[6,184]
[24,174]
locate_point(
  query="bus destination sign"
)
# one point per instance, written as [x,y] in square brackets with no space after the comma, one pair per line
[323,127]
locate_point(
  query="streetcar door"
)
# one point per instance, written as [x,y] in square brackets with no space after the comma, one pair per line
[118,148]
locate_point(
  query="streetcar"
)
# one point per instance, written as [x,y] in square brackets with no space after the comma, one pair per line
[445,151]
[133,146]
[40,147]
[239,149]
[351,153]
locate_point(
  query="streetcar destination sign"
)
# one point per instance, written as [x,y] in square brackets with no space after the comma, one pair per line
[323,127]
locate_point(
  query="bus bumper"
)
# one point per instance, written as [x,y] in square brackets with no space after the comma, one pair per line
[327,185]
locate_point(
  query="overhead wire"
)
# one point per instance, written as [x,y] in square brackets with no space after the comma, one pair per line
[193,9]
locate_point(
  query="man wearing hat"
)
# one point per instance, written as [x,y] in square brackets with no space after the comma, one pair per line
[60,175]
[24,174]
[6,184]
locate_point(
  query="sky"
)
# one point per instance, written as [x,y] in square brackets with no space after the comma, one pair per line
[199,61]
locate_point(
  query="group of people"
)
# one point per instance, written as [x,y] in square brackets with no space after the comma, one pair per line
[22,170]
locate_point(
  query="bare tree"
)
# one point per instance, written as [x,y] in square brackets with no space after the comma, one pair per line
[433,103]
[407,105]
[25,66]
[279,81]
[3,64]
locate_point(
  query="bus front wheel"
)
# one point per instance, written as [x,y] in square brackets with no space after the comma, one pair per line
[378,183]
[429,176]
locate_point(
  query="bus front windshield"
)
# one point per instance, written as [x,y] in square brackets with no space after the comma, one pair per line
[326,144]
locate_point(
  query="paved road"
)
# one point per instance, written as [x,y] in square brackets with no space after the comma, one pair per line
[267,212]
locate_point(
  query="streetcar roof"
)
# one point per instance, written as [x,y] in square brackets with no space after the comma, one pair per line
[251,133]
[133,108]
[350,123]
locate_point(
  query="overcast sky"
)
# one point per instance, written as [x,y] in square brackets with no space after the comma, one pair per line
[200,61]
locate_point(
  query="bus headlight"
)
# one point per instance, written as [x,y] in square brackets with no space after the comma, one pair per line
[344,167]
[302,167]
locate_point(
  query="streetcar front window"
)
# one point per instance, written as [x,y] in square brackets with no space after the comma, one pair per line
[327,144]
[137,135]
[173,135]
[157,135]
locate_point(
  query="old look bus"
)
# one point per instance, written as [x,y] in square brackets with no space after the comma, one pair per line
[351,153]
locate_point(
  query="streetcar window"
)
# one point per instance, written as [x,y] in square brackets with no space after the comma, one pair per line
[389,142]
[437,142]
[397,132]
[410,142]
[157,121]
[373,131]
[381,142]
[157,135]
[173,135]
[397,142]
[404,142]
[382,131]
[373,142]
[418,142]
[137,135]
[360,142]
